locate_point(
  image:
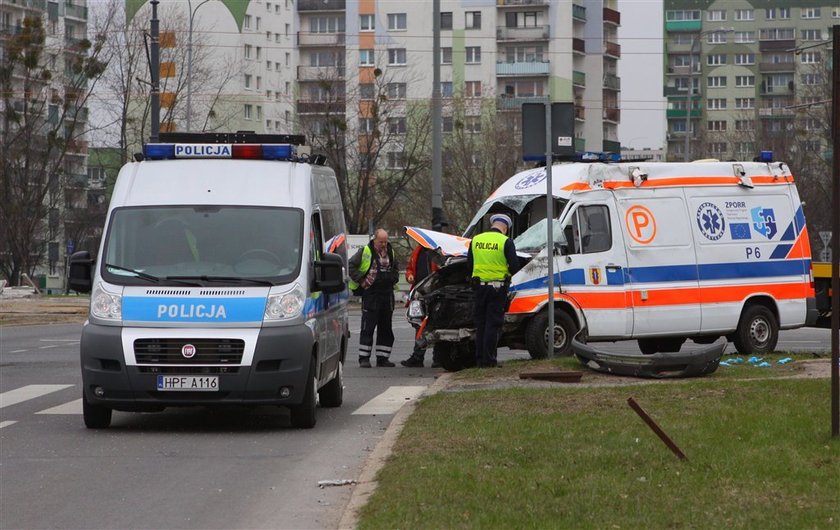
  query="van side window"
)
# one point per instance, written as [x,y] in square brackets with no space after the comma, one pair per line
[592,231]
[316,240]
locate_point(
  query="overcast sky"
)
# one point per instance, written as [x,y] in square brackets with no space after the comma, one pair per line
[640,68]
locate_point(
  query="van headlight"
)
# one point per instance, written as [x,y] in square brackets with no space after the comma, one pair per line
[105,305]
[285,305]
[415,309]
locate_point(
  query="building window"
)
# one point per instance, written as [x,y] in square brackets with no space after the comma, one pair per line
[396,90]
[288,59]
[366,91]
[716,15]
[716,126]
[366,57]
[446,124]
[396,125]
[811,34]
[397,21]
[366,126]
[247,51]
[396,159]
[472,89]
[258,53]
[716,59]
[744,125]
[716,81]
[248,110]
[744,58]
[682,15]
[472,20]
[446,55]
[717,148]
[367,23]
[259,83]
[473,54]
[810,57]
[716,37]
[446,89]
[811,79]
[247,80]
[258,24]
[744,14]
[744,81]
[268,65]
[259,112]
[744,103]
[810,12]
[744,37]
[246,22]
[716,103]
[472,124]
[446,20]
[396,56]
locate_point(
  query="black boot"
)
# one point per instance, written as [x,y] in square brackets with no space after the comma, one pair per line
[383,361]
[412,362]
[364,362]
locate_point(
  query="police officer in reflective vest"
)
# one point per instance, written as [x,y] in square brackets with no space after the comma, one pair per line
[492,260]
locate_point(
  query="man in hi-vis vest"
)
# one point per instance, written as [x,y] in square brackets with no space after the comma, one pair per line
[492,260]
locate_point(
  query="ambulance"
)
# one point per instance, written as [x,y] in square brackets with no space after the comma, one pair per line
[220,280]
[648,251]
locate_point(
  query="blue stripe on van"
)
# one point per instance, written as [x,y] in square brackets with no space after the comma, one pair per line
[681,273]
[207,310]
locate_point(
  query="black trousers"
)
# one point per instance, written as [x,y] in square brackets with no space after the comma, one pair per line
[377,310]
[488,316]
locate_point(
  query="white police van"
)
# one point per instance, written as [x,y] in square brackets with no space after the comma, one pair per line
[220,280]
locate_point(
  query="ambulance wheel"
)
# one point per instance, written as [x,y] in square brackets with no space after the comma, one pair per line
[303,415]
[454,356]
[96,416]
[758,331]
[332,394]
[536,334]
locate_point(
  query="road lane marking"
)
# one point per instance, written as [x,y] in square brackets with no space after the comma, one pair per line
[391,400]
[50,346]
[72,407]
[59,340]
[6,423]
[18,395]
[21,351]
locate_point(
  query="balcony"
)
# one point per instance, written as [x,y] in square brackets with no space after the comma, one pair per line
[77,147]
[529,33]
[683,25]
[320,107]
[578,79]
[40,5]
[75,45]
[612,49]
[578,13]
[80,115]
[776,45]
[306,38]
[322,5]
[680,113]
[611,16]
[580,113]
[770,112]
[521,69]
[776,67]
[612,82]
[515,103]
[74,11]
[521,3]
[578,45]
[76,180]
[320,73]
[612,114]
[776,90]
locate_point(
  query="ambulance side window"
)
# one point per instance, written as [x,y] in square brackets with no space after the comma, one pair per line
[591,229]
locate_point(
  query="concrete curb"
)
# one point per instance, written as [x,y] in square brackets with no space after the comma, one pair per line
[367,484]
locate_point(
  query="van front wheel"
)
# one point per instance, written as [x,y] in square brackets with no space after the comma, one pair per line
[303,415]
[536,334]
[758,331]
[96,416]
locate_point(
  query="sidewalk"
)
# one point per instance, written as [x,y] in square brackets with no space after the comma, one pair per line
[21,306]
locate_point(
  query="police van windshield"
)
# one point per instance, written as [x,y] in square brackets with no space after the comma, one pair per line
[203,245]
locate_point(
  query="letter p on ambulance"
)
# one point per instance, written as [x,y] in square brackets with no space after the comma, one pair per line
[641,225]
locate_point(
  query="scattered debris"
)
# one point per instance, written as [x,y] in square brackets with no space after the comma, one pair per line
[558,376]
[694,363]
[336,482]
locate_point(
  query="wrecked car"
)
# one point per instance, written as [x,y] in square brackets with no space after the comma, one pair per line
[654,252]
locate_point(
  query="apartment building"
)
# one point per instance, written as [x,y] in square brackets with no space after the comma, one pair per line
[44,123]
[509,51]
[739,75]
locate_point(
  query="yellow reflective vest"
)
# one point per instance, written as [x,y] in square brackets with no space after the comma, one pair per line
[488,252]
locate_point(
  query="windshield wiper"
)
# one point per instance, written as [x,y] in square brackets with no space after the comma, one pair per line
[137,273]
[205,278]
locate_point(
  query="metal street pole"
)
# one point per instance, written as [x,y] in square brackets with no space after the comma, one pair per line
[549,217]
[189,61]
[437,159]
[154,57]
[835,237]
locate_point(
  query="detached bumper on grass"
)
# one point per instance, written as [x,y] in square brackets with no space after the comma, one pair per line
[692,363]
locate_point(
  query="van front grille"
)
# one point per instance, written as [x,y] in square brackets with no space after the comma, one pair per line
[207,351]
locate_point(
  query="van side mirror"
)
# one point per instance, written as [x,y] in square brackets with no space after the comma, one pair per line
[80,277]
[329,273]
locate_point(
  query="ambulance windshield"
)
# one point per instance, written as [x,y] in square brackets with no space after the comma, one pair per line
[207,245]
[533,240]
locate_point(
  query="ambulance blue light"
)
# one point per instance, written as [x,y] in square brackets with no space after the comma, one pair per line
[159,151]
[765,156]
[277,151]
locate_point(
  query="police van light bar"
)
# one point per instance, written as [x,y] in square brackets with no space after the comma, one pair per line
[232,151]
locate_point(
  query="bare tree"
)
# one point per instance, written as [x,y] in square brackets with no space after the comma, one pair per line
[45,93]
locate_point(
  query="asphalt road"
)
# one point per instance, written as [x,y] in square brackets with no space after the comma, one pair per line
[194,468]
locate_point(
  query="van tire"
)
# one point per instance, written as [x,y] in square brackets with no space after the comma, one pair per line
[454,356]
[303,415]
[332,394]
[536,334]
[758,331]
[96,416]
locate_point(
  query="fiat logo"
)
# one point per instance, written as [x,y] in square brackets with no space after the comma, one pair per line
[188,351]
